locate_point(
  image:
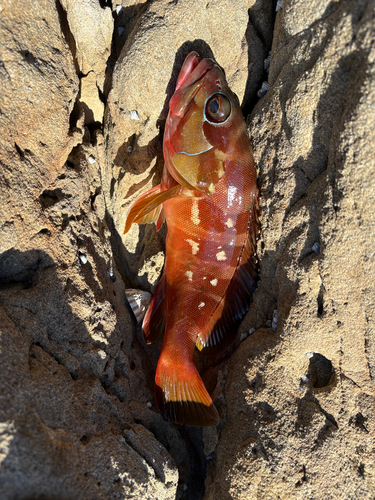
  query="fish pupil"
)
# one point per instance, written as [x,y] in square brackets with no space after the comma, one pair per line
[214,107]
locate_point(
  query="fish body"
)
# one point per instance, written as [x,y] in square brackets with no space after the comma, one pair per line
[209,198]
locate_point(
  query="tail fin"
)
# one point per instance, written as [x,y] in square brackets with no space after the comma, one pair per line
[181,396]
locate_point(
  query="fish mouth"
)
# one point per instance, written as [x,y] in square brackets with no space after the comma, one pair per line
[189,82]
[193,69]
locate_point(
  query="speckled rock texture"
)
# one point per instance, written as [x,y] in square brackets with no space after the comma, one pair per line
[84,96]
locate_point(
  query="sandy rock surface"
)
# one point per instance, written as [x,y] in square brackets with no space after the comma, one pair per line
[84,96]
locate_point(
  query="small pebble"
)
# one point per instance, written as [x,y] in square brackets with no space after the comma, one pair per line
[309,354]
[129,149]
[251,331]
[91,160]
[279,5]
[120,30]
[304,379]
[149,404]
[316,247]
[118,9]
[83,258]
[134,115]
[263,89]
[244,336]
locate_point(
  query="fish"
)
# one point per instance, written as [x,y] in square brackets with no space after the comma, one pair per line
[209,198]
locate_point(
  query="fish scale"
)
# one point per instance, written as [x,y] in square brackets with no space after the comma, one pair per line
[209,199]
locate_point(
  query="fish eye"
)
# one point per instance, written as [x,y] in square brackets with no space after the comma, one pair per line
[218,108]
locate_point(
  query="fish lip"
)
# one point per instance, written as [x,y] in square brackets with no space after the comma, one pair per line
[181,99]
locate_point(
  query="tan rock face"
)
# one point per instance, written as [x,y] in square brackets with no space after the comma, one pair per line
[296,398]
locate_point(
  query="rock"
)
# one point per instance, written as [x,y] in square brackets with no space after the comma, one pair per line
[69,360]
[77,414]
[91,27]
[312,134]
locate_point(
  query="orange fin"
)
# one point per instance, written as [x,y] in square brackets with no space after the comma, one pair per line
[181,396]
[154,321]
[148,207]
[221,329]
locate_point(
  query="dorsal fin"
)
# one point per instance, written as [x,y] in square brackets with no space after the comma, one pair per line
[221,329]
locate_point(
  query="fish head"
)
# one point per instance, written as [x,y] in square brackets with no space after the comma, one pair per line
[205,127]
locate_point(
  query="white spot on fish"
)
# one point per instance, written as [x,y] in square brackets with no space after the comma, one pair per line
[232,190]
[229,223]
[204,277]
[194,246]
[221,255]
[189,275]
[195,212]
[213,282]
[202,304]
[219,247]
[211,187]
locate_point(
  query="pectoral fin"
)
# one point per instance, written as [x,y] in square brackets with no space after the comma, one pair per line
[148,207]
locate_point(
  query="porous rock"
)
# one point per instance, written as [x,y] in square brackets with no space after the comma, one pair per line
[69,361]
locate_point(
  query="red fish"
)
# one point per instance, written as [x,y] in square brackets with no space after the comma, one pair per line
[209,197]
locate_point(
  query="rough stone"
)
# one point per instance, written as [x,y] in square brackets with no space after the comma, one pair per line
[296,400]
[91,27]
